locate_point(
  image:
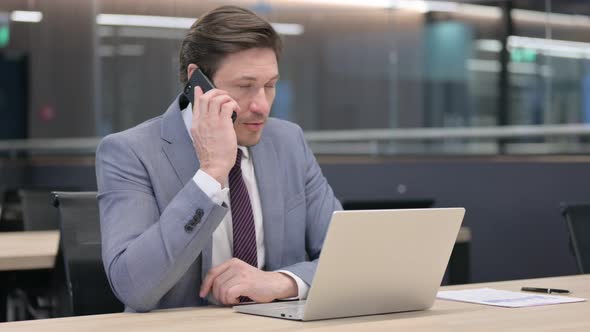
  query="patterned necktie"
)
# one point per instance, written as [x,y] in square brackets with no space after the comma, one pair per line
[242,217]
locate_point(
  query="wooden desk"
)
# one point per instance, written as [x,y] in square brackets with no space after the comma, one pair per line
[28,250]
[443,316]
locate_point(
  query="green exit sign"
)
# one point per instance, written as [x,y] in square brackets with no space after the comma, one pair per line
[4,35]
[523,55]
[4,29]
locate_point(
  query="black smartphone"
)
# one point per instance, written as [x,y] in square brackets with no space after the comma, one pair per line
[199,79]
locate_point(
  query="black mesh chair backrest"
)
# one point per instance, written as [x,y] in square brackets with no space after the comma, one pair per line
[577,218]
[38,212]
[11,219]
[1,201]
[87,284]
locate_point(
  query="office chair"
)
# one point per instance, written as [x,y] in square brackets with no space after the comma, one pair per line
[87,290]
[1,201]
[29,295]
[38,213]
[11,218]
[577,219]
[410,203]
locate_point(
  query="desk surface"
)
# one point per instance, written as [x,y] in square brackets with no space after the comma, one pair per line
[443,316]
[28,250]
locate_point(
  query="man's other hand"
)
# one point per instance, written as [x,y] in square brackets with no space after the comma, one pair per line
[235,278]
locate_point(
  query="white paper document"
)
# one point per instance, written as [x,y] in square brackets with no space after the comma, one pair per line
[503,298]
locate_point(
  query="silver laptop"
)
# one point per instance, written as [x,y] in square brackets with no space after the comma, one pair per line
[375,262]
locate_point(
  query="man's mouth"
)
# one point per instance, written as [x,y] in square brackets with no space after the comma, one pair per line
[256,125]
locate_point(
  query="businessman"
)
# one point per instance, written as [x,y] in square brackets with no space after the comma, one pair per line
[196,209]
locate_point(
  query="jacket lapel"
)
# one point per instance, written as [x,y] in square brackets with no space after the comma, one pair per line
[266,168]
[180,152]
[177,144]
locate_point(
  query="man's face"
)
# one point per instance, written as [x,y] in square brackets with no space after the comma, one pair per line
[250,77]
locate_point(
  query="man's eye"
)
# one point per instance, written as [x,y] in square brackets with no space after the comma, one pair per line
[244,86]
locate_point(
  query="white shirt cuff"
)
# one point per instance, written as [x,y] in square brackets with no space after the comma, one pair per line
[211,187]
[302,287]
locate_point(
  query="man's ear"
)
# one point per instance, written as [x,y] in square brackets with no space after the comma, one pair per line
[191,69]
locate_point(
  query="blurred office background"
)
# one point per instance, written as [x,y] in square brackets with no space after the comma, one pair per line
[107,65]
[482,104]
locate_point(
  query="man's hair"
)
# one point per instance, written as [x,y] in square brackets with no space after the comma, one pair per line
[223,31]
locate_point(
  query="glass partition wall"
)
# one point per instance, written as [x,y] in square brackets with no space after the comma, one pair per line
[368,77]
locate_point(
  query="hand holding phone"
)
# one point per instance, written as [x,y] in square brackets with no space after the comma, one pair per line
[214,138]
[199,79]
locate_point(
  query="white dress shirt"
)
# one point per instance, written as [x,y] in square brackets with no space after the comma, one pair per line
[223,236]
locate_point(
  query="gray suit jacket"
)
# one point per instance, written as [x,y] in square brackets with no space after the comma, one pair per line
[157,224]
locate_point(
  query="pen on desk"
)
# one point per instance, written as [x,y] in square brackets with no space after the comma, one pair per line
[545,290]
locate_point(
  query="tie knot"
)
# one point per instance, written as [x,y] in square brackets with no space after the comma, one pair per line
[238,158]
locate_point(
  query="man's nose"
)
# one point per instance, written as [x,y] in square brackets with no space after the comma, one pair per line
[260,103]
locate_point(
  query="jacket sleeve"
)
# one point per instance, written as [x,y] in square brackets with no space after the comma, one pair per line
[146,251]
[321,203]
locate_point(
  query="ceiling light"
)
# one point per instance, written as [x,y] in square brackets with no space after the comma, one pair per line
[288,28]
[145,21]
[171,22]
[352,3]
[26,16]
